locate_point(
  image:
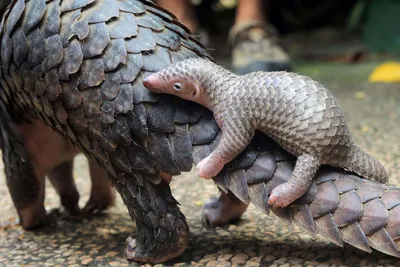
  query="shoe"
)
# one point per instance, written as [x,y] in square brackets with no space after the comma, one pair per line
[255,48]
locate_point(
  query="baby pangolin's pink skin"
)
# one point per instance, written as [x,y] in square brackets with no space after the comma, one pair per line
[297,112]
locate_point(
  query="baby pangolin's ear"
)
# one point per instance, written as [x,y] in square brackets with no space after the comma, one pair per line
[197,90]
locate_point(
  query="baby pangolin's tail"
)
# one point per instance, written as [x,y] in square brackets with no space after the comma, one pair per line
[366,165]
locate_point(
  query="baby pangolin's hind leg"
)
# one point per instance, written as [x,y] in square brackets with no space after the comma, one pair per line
[302,177]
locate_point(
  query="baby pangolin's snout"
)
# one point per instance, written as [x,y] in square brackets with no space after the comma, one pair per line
[153,84]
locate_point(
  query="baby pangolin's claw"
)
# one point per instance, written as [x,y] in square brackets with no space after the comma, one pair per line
[209,168]
[281,196]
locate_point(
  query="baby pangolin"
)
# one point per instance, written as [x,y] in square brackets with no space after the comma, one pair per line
[297,112]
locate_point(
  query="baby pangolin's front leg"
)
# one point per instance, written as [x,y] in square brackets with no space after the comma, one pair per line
[302,177]
[236,135]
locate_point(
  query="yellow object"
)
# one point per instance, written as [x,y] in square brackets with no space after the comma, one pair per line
[228,3]
[360,95]
[364,129]
[388,72]
[199,203]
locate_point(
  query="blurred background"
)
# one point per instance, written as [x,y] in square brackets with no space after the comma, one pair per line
[355,39]
[318,35]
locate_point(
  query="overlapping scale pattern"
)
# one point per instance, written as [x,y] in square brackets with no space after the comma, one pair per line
[339,206]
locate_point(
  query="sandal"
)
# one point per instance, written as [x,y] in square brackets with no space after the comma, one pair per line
[255,48]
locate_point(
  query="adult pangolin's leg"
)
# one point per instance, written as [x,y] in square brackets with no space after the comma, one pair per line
[161,229]
[102,195]
[222,210]
[62,179]
[25,183]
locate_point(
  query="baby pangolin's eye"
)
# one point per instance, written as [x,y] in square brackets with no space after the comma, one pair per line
[177,86]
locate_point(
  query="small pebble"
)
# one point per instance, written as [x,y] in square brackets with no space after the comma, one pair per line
[256,259]
[86,261]
[212,263]
[223,264]
[59,260]
[312,263]
[68,253]
[181,264]
[269,258]
[281,260]
[112,253]
[252,264]
[225,257]
[240,258]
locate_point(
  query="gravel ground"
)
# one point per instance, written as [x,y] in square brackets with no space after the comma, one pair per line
[257,240]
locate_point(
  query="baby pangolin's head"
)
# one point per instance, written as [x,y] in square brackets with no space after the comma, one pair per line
[182,79]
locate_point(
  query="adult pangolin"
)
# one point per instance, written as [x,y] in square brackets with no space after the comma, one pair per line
[76,67]
[294,110]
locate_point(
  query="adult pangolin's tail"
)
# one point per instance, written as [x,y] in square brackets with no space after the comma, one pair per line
[339,206]
[366,165]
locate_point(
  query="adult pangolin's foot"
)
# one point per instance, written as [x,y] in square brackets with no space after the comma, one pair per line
[40,220]
[65,214]
[222,210]
[99,202]
[102,193]
[95,205]
[136,251]
[284,194]
[70,209]
[209,167]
